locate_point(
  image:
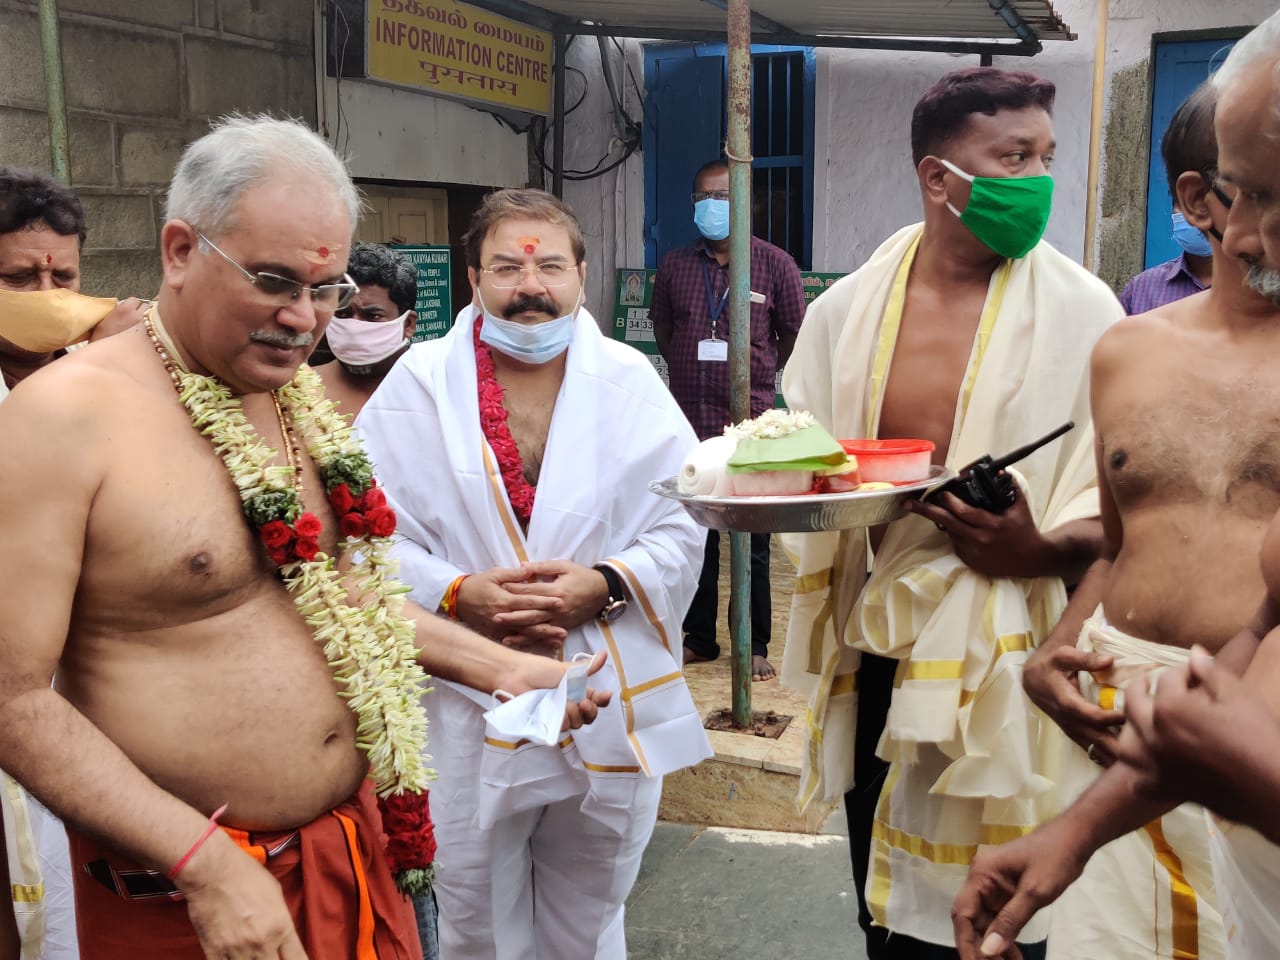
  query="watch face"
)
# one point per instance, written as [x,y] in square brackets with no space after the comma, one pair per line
[613,611]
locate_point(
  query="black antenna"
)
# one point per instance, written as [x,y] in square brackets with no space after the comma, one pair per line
[1025,451]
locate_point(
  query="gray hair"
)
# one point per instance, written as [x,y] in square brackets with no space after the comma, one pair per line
[1260,45]
[240,152]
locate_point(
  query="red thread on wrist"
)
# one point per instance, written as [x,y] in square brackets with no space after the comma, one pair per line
[208,832]
[449,604]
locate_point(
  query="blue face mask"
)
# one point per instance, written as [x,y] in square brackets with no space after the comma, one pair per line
[711,217]
[1189,238]
[534,343]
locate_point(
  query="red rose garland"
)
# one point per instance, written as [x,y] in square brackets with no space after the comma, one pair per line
[411,837]
[493,421]
[359,515]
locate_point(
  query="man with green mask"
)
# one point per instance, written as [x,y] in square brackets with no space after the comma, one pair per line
[971,332]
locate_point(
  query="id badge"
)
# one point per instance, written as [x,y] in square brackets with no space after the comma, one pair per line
[715,350]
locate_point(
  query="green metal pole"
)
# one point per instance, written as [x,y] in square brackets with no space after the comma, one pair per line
[560,44]
[739,154]
[55,96]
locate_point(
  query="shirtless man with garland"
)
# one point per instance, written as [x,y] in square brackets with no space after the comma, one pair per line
[1215,456]
[186,678]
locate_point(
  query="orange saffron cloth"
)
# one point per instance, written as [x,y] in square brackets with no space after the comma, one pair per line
[335,878]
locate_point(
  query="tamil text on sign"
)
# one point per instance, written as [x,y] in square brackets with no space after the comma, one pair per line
[456,50]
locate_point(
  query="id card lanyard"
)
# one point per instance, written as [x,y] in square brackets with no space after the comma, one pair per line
[714,349]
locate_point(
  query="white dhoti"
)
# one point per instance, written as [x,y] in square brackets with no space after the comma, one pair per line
[539,845]
[960,735]
[1246,868]
[1149,895]
[26,882]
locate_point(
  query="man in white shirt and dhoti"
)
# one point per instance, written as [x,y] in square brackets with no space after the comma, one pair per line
[1203,432]
[517,452]
[971,332]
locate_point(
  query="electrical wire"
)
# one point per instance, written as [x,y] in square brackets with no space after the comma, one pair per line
[631,73]
[340,59]
[630,145]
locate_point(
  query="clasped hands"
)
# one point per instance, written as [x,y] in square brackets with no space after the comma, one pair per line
[534,606]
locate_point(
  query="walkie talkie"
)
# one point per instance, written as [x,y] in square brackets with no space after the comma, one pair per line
[984,483]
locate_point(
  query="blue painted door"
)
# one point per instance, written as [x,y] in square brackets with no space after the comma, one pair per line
[684,117]
[685,128]
[1181,66]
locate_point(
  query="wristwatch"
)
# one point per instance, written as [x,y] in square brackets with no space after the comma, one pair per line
[616,605]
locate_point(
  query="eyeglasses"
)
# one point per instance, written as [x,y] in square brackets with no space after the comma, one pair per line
[507,276]
[281,291]
[710,195]
[1210,177]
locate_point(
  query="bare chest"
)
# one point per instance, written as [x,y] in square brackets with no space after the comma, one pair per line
[927,373]
[167,539]
[530,406]
[1181,432]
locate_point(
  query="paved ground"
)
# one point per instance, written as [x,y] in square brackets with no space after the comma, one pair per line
[708,893]
[712,893]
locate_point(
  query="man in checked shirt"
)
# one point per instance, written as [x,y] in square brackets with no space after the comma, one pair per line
[691,326]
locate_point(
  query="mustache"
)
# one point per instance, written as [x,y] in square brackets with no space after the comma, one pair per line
[524,304]
[1263,281]
[277,338]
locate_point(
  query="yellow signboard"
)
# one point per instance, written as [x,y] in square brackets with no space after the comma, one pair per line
[461,51]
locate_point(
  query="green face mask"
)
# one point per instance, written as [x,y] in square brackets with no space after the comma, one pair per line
[1008,214]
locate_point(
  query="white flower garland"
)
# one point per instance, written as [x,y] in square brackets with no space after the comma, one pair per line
[357,618]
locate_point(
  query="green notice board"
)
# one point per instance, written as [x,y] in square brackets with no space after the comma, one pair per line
[634,294]
[631,321]
[435,315]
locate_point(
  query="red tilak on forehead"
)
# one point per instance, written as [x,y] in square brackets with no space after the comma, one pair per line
[530,244]
[48,258]
[319,258]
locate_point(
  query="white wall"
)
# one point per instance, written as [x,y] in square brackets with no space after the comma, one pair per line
[1131,23]
[394,134]
[864,181]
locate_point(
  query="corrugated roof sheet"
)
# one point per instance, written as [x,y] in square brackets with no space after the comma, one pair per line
[840,20]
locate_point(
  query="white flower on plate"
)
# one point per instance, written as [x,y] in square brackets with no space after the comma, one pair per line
[771,425]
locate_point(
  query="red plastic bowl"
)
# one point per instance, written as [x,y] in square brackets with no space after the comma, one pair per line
[891,461]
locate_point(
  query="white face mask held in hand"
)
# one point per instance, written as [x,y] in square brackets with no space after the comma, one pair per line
[535,715]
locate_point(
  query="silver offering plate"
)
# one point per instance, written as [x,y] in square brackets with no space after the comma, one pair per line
[808,513]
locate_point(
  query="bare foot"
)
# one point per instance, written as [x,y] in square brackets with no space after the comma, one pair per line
[691,657]
[761,669]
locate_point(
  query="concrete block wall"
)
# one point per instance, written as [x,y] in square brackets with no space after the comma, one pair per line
[142,79]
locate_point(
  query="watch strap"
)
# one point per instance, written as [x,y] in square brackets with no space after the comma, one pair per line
[614,581]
